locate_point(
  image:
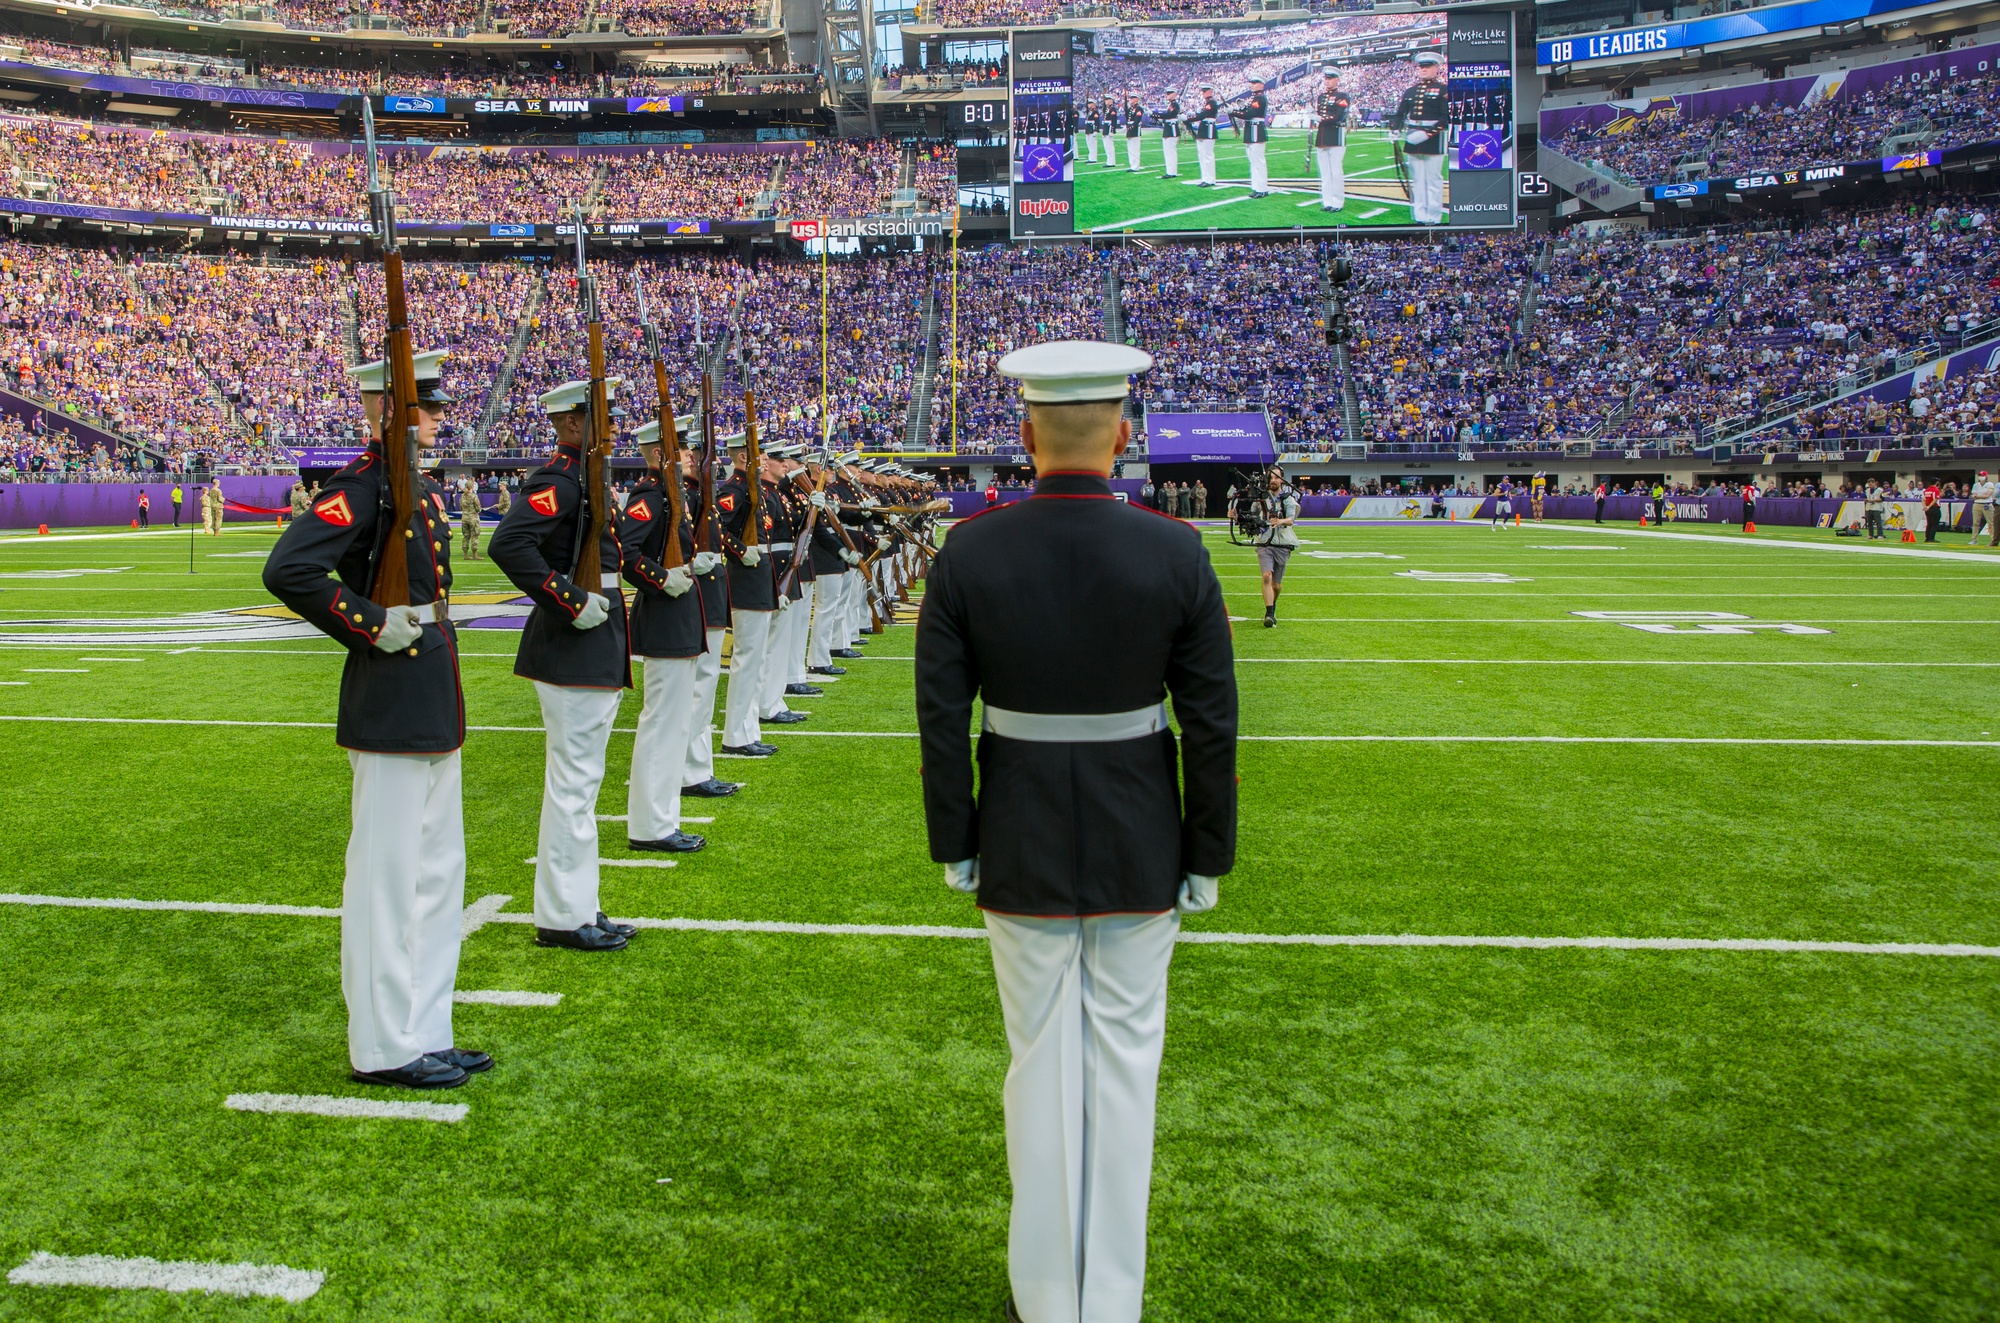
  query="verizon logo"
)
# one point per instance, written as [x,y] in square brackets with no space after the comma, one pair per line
[1038,55]
[1044,207]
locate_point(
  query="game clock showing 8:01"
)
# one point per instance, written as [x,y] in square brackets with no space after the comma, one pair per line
[975,116]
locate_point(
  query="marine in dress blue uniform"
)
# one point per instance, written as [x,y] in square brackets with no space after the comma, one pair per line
[574,649]
[753,600]
[1206,122]
[669,635]
[711,577]
[1423,118]
[402,722]
[1071,616]
[1170,135]
[1330,113]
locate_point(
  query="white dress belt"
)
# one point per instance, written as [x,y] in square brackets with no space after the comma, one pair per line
[1075,727]
[610,580]
[779,546]
[437,612]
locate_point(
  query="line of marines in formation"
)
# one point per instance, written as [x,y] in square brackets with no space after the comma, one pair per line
[812,552]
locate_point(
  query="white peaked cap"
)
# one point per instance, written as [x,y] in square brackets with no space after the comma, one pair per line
[1075,371]
[575,394]
[373,378]
[648,434]
[1427,57]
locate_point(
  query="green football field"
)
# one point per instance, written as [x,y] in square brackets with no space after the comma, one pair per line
[1111,200]
[801,1124]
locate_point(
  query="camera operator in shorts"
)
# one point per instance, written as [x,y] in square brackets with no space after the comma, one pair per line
[1277,540]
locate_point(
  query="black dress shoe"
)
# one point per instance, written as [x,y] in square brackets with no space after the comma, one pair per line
[590,937]
[768,749]
[465,1059]
[681,842]
[1011,1314]
[786,718]
[426,1072]
[803,690]
[848,653]
[828,670]
[712,789]
[622,929]
[749,750]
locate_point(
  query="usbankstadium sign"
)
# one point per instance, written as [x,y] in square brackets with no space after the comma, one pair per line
[1775,22]
[867,227]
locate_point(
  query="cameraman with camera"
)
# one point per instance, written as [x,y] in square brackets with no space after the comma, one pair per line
[1275,541]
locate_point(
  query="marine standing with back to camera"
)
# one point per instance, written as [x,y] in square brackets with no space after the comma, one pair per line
[1071,615]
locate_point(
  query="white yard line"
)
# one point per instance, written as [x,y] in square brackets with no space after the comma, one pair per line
[53,670]
[322,1104]
[504,998]
[144,1274]
[111,659]
[1164,215]
[196,906]
[480,913]
[602,862]
[1754,541]
[623,817]
[1196,938]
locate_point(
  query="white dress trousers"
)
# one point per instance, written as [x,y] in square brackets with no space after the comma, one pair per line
[1260,173]
[577,723]
[660,750]
[1085,1001]
[1204,155]
[1110,149]
[1426,188]
[1132,154]
[401,907]
[1090,146]
[798,625]
[1332,162]
[701,730]
[749,648]
[777,662]
[829,618]
[1171,149]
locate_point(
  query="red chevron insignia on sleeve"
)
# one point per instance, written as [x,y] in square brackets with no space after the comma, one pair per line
[544,501]
[335,510]
[727,502]
[640,511]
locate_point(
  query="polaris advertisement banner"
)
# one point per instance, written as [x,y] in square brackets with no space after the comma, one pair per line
[1208,438]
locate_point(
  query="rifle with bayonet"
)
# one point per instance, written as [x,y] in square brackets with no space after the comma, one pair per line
[587,566]
[753,478]
[670,432]
[400,444]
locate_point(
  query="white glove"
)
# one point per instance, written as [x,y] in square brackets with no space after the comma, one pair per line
[595,612]
[963,875]
[678,581]
[399,630]
[869,503]
[882,544]
[1416,138]
[818,500]
[704,562]
[752,555]
[851,556]
[1197,894]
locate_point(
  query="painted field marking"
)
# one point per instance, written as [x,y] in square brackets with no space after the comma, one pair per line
[622,817]
[61,574]
[602,862]
[13,682]
[1243,939]
[1917,552]
[504,998]
[111,659]
[144,1274]
[480,913]
[54,670]
[1184,211]
[1371,215]
[1579,661]
[195,906]
[324,1104]
[1461,576]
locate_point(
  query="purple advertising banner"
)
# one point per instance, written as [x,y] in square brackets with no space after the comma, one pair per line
[327,457]
[115,504]
[1208,438]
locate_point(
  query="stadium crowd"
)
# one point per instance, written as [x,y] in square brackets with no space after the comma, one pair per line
[1663,143]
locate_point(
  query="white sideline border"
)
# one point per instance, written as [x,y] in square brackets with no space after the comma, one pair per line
[778,927]
[1246,739]
[146,1274]
[504,997]
[326,1104]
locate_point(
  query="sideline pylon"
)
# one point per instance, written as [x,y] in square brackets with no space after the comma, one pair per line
[1750,526]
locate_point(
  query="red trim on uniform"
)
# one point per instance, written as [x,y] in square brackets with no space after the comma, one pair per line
[549,587]
[544,501]
[341,616]
[1185,523]
[1069,496]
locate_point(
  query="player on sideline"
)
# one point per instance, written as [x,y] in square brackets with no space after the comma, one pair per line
[402,722]
[1083,844]
[1330,141]
[1503,503]
[1206,123]
[1421,117]
[573,648]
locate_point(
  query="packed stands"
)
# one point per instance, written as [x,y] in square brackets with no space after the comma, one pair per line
[671,182]
[840,178]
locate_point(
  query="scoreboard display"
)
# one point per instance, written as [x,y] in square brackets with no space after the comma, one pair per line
[1331,124]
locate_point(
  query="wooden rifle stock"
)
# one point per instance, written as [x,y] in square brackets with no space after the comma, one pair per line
[670,468]
[800,548]
[399,444]
[588,572]
[705,528]
[753,473]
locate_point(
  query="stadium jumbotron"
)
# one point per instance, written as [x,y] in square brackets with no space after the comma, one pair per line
[836,802]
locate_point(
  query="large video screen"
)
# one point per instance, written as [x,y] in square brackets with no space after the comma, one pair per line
[1365,120]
